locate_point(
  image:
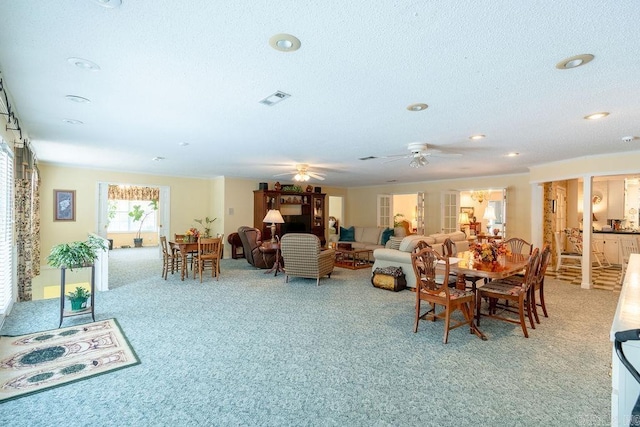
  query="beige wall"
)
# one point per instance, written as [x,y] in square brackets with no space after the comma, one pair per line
[361,203]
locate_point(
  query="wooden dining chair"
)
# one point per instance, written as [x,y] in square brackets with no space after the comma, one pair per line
[430,268]
[170,259]
[209,250]
[538,286]
[518,292]
[519,246]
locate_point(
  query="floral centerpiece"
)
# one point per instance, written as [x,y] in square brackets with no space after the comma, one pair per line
[489,252]
[192,234]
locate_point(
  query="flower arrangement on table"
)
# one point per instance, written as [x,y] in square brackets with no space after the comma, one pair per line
[192,234]
[489,252]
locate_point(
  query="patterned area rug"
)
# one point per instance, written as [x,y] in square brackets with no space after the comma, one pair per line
[35,362]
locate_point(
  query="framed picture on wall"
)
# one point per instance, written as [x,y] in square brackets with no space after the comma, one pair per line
[468,210]
[64,205]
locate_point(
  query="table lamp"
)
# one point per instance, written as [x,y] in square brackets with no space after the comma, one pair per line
[463,219]
[490,215]
[273,216]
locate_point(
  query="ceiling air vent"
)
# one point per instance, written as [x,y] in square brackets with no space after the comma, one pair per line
[275,98]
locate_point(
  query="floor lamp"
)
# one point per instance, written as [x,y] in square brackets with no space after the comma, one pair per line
[273,216]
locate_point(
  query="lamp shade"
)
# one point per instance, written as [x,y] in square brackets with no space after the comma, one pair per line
[463,218]
[489,213]
[273,216]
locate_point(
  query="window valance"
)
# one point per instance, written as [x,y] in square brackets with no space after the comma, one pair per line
[132,192]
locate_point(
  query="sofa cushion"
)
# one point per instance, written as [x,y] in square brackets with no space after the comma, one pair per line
[347,234]
[394,242]
[385,235]
[410,242]
[368,234]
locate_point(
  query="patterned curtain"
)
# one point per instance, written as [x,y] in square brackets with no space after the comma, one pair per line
[27,193]
[128,192]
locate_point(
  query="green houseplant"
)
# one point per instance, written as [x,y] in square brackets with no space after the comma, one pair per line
[76,254]
[205,225]
[78,298]
[139,214]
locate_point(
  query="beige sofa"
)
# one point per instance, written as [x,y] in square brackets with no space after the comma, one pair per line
[401,257]
[365,238]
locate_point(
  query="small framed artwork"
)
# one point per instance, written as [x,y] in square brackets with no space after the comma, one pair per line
[64,205]
[468,210]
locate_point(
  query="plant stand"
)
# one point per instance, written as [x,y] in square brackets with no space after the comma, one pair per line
[70,313]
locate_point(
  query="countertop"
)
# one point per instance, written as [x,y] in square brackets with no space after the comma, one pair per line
[617,232]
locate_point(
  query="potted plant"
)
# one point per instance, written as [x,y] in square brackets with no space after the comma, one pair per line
[78,298]
[139,214]
[76,254]
[205,225]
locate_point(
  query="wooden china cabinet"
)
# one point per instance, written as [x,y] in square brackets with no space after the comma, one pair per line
[303,212]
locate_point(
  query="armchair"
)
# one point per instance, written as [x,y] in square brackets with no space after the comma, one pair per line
[251,239]
[303,258]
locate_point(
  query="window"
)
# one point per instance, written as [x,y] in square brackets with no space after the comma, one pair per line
[6,228]
[121,222]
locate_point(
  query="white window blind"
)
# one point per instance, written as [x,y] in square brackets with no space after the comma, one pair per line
[6,227]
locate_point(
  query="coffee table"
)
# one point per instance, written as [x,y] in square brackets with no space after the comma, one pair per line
[353,259]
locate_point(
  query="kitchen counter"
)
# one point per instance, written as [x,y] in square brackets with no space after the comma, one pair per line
[617,232]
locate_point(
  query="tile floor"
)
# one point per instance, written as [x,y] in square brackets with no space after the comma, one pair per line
[607,278]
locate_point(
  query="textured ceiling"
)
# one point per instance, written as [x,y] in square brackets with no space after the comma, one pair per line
[194,72]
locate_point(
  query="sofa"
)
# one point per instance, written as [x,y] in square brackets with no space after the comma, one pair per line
[360,237]
[397,252]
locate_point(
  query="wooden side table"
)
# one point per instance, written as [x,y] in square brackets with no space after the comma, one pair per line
[269,248]
[87,310]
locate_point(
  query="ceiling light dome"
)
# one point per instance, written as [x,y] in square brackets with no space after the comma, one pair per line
[574,61]
[284,42]
[417,107]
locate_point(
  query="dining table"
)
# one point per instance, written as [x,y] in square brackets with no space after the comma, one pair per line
[465,266]
[184,247]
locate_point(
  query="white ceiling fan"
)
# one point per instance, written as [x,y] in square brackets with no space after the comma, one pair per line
[303,174]
[418,153]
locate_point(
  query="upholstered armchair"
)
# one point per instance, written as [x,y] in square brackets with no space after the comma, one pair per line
[303,258]
[251,239]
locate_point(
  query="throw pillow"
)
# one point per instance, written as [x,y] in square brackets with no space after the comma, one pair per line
[347,234]
[386,234]
[394,242]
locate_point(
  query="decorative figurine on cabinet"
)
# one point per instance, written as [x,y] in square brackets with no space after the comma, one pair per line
[309,188]
[277,186]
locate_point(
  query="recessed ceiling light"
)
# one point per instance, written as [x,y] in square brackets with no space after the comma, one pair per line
[417,107]
[183,144]
[85,64]
[596,116]
[476,137]
[72,121]
[78,99]
[574,61]
[629,138]
[157,159]
[111,4]
[284,43]
[513,154]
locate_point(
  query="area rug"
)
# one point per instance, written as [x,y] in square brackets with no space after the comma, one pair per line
[35,362]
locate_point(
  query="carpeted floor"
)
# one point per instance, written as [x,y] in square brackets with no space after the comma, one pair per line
[251,349]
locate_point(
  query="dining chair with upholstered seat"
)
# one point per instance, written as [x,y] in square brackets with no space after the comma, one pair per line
[430,268]
[519,246]
[209,250]
[171,260]
[538,286]
[509,290]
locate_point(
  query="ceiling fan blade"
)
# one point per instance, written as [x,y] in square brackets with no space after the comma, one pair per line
[286,173]
[443,155]
[316,176]
[395,160]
